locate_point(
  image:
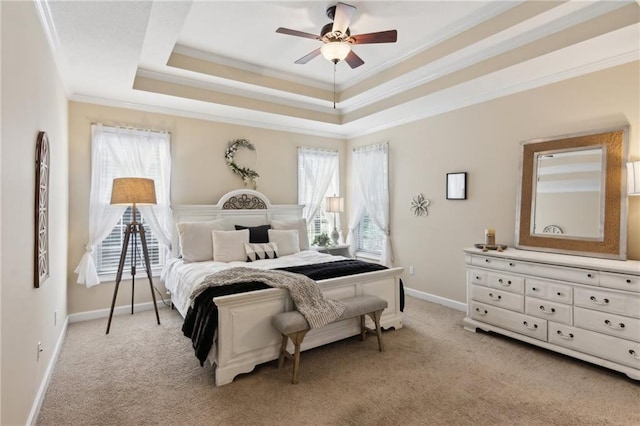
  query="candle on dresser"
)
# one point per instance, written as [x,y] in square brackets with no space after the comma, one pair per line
[490,237]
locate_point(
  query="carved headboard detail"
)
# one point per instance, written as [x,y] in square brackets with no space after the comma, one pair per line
[244,202]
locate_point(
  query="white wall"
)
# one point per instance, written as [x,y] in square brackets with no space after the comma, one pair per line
[33,99]
[484,140]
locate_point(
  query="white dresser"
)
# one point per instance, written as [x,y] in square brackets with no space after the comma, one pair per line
[584,307]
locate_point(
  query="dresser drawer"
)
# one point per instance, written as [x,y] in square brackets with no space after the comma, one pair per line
[608,301]
[477,276]
[551,311]
[574,275]
[603,322]
[511,283]
[614,349]
[488,262]
[503,299]
[550,290]
[520,323]
[620,281]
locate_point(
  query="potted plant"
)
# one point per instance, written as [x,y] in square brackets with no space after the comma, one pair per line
[321,240]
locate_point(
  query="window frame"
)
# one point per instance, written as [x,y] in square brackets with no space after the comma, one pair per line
[106,269]
[322,218]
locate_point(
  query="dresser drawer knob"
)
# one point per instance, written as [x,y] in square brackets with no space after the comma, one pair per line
[478,277]
[628,281]
[481,311]
[512,264]
[487,260]
[559,293]
[589,275]
[502,282]
[494,297]
[550,311]
[595,300]
[566,337]
[534,288]
[530,327]
[609,324]
[634,354]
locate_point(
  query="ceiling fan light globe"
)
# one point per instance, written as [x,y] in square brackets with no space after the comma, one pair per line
[335,51]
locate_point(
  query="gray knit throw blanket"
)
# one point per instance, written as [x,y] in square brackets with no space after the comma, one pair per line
[309,301]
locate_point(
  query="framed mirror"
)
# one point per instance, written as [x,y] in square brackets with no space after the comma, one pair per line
[572,195]
[457,186]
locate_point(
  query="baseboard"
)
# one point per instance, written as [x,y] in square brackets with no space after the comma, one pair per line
[449,303]
[42,390]
[118,310]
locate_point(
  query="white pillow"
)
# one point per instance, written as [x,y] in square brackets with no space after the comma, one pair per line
[300,225]
[228,246]
[195,239]
[286,240]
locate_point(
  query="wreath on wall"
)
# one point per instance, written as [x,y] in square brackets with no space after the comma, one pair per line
[248,175]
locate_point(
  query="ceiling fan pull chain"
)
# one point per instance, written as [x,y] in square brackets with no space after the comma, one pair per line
[334,84]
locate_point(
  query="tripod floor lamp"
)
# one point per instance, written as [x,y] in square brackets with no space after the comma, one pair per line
[130,190]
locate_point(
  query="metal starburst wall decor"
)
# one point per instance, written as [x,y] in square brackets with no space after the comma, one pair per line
[419,205]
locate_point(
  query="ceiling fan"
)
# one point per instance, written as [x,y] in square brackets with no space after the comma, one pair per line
[337,38]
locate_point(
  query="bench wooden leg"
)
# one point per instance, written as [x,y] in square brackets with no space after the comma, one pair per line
[283,350]
[297,339]
[375,316]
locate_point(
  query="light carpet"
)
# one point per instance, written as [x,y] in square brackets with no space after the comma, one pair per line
[432,373]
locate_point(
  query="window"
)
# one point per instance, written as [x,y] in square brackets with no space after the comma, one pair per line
[369,237]
[318,178]
[369,234]
[151,147]
[121,152]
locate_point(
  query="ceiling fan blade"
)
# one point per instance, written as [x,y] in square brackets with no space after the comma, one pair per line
[390,36]
[297,33]
[342,17]
[353,60]
[309,56]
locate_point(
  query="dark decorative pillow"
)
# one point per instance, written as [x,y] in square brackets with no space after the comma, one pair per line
[257,234]
[261,251]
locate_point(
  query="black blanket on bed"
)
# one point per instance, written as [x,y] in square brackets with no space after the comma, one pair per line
[201,321]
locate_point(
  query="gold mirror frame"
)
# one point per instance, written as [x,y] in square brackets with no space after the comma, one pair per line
[614,242]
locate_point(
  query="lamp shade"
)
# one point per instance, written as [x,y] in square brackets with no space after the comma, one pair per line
[130,190]
[335,204]
[335,51]
[633,178]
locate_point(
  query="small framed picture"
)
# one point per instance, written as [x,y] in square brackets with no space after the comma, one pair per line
[457,186]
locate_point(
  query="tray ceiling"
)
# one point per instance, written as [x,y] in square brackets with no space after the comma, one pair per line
[224,61]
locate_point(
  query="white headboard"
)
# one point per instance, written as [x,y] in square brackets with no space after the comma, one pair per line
[241,207]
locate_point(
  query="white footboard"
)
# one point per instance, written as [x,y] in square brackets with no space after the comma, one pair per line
[246,337]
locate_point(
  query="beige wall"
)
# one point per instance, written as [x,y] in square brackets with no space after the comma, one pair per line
[33,99]
[199,176]
[484,141]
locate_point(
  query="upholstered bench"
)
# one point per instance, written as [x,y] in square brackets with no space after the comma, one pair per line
[292,325]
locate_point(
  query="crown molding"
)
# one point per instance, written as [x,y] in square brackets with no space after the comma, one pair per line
[49,29]
[285,125]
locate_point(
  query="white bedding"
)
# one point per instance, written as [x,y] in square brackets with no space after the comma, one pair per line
[179,277]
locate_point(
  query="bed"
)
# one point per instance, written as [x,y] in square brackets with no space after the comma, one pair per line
[245,337]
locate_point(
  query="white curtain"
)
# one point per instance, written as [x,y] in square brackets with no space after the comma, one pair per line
[118,152]
[370,177]
[316,169]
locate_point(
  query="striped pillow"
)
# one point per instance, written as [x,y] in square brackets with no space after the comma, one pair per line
[259,251]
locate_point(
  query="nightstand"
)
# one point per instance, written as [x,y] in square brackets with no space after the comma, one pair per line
[337,250]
